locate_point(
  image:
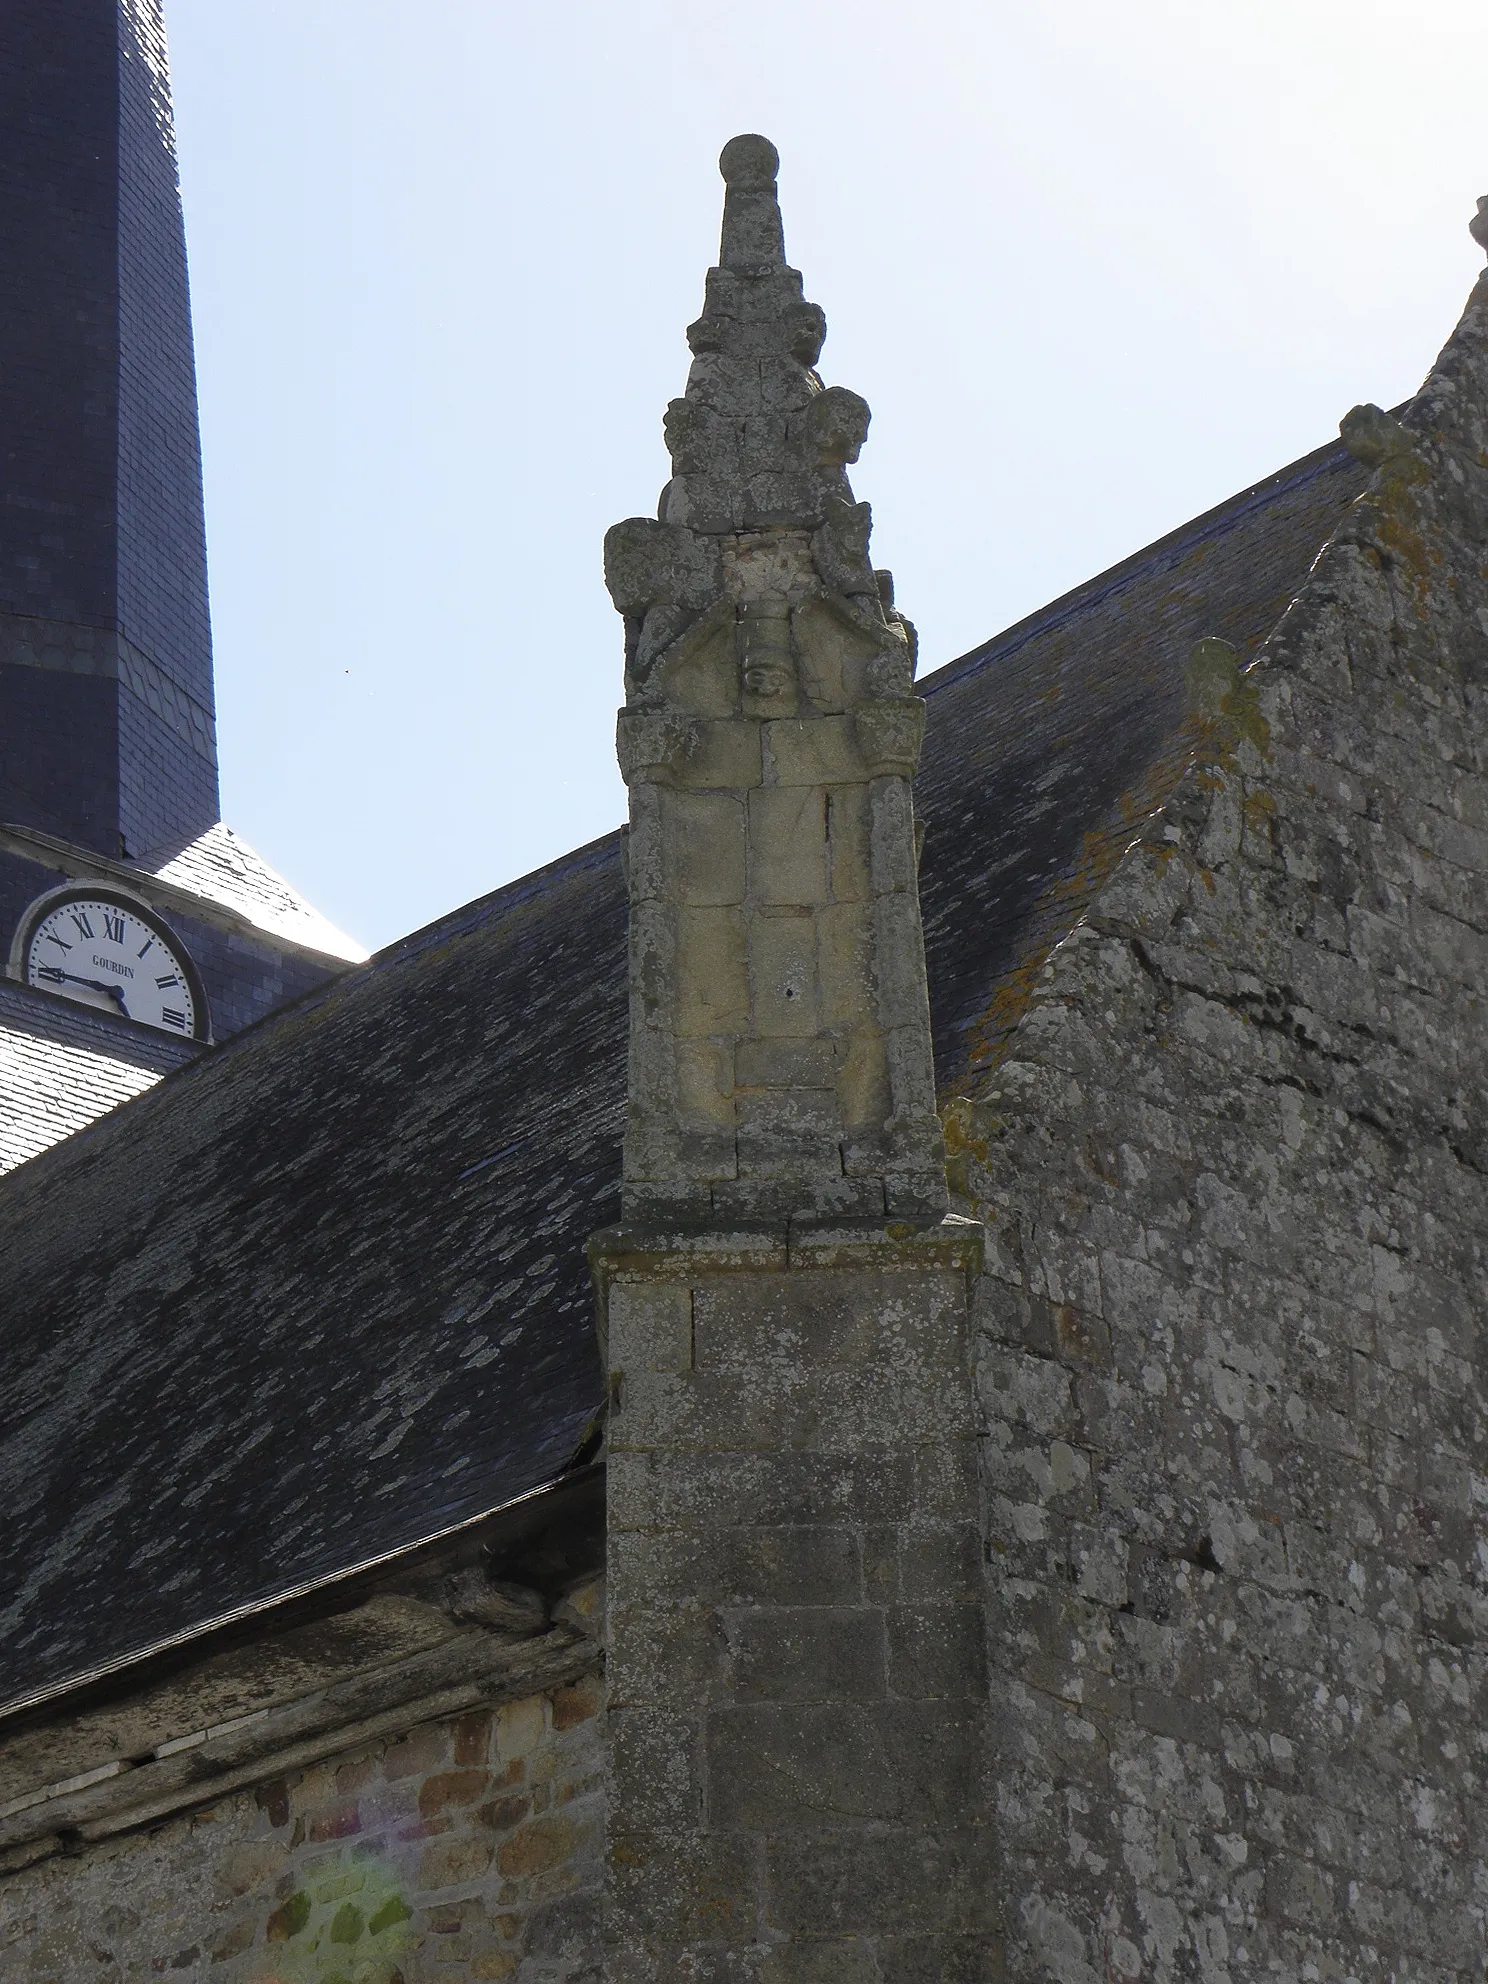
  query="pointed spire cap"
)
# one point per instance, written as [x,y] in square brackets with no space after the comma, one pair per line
[753,233]
[1477,227]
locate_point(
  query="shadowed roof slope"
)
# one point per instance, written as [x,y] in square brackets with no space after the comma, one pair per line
[322,1293]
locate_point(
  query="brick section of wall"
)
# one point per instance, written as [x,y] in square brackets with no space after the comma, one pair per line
[798,1789]
[1233,1348]
[470,1850]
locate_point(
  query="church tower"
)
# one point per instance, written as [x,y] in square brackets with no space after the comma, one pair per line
[133,926]
[106,720]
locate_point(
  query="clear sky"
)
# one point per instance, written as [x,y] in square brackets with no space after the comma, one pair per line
[1094,267]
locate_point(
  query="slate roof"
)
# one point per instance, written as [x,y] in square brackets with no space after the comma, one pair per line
[322,1294]
[226,870]
[62,1065]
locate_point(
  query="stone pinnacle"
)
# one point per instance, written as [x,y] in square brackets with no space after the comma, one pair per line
[1477,227]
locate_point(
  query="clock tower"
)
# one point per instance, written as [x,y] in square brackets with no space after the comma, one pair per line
[108,753]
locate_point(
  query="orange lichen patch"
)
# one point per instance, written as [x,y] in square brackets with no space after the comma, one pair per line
[964,1142]
[1257,809]
[1393,513]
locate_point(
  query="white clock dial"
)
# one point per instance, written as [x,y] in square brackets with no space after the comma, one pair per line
[107,953]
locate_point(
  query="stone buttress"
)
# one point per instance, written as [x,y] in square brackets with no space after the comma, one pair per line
[796,1670]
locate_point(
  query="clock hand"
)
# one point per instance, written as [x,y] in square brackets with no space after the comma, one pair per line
[58,976]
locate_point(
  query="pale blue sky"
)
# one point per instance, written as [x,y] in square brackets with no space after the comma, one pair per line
[1094,268]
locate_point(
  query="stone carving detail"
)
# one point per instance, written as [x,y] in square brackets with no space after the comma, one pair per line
[780,1034]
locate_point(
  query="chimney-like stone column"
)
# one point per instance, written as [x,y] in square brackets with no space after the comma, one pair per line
[798,1786]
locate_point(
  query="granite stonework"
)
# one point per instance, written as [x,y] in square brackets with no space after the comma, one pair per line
[467,1847]
[798,1784]
[1235,1175]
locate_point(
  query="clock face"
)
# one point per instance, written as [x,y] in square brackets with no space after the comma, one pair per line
[106,952]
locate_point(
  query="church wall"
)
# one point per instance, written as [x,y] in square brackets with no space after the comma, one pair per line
[1233,1347]
[468,1849]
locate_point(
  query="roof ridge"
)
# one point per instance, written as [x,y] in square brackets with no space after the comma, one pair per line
[1196,530]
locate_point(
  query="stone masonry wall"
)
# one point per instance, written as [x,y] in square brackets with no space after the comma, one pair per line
[1235,1174]
[470,1849]
[798,1791]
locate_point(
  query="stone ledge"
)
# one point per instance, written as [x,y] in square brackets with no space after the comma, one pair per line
[670,1254]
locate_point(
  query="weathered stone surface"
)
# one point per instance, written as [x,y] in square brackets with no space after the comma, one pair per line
[769,736]
[1232,1341]
[797,1668]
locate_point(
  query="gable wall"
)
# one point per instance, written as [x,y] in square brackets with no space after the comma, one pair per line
[469,1849]
[1235,1169]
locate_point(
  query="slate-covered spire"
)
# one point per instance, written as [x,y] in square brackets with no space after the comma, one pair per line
[780,1035]
[106,717]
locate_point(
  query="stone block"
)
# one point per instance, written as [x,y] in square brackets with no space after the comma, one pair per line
[893,864]
[780,1767]
[680,1887]
[654,1777]
[667,1652]
[863,1093]
[797,1064]
[899,966]
[808,1654]
[975,1959]
[832,1409]
[796,1320]
[723,1566]
[842,1960]
[705,1082]
[788,845]
[845,946]
[782,975]
[650,1326]
[645,868]
[805,751]
[849,843]
[788,1132]
[936,1652]
[885,1882]
[675,1491]
[704,847]
[941,1563]
[712,972]
[722,754]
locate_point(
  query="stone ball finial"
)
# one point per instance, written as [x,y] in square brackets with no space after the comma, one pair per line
[1477,227]
[749,162]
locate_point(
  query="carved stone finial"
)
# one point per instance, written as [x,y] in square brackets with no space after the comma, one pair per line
[1477,227]
[780,1033]
[753,234]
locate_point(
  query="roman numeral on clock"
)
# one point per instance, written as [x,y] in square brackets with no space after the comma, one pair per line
[113,926]
[170,979]
[84,927]
[170,1017]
